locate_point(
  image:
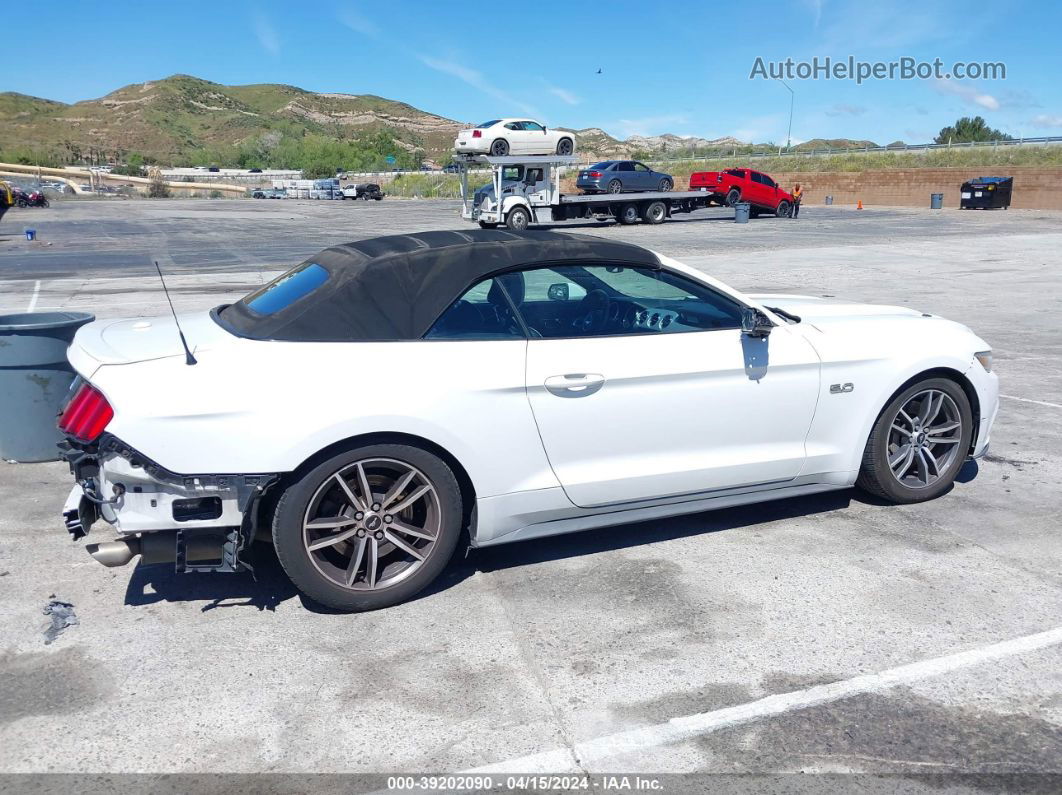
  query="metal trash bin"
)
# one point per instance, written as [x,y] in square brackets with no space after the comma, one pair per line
[936,201]
[829,199]
[35,378]
[741,212]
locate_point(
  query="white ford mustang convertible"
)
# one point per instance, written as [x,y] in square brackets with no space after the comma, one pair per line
[375,402]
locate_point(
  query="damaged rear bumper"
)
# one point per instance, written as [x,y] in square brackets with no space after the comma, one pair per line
[198,522]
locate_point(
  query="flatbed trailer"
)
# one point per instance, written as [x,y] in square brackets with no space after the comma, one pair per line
[530,189]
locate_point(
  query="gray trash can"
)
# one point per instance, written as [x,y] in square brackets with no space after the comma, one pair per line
[741,212]
[936,201]
[35,378]
[829,199]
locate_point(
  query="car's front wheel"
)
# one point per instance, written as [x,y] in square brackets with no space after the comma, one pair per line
[784,209]
[666,185]
[918,443]
[369,527]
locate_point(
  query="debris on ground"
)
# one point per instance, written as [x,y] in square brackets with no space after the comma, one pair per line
[63,616]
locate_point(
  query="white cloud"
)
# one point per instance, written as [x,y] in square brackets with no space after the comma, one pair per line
[967,93]
[563,94]
[844,109]
[1047,120]
[477,81]
[359,24]
[267,35]
[816,8]
[650,125]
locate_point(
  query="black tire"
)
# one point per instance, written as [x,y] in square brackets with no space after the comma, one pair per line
[875,475]
[295,559]
[733,197]
[654,213]
[666,185]
[488,225]
[500,148]
[518,219]
[784,209]
[628,214]
[615,186]
[565,146]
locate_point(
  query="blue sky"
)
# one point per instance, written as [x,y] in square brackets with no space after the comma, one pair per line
[666,67]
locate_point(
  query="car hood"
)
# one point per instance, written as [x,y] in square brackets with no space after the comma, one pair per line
[106,342]
[816,309]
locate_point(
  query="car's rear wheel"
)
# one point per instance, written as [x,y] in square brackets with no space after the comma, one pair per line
[370,527]
[628,214]
[666,185]
[733,197]
[783,209]
[919,442]
[615,186]
[500,148]
[518,219]
[565,146]
[654,213]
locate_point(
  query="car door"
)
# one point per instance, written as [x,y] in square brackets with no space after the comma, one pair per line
[535,138]
[761,192]
[643,176]
[643,386]
[514,134]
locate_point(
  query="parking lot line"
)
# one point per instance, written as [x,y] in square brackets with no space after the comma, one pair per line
[35,296]
[690,726]
[1030,400]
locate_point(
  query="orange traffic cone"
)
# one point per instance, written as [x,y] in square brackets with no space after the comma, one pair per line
[859,204]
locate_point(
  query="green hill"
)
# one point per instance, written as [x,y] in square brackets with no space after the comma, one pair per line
[180,117]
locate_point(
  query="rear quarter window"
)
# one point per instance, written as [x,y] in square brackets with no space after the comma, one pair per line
[285,290]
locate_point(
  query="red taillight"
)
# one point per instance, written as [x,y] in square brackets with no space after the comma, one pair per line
[86,415]
[477,133]
[593,174]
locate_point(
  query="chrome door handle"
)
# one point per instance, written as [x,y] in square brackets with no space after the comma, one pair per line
[574,384]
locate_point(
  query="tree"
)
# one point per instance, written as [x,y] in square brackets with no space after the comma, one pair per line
[157,188]
[967,130]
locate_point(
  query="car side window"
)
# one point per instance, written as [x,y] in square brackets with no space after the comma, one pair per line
[625,167]
[640,167]
[484,312]
[564,301]
[770,183]
[514,125]
[532,126]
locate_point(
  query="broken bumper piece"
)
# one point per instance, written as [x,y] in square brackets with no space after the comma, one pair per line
[197,522]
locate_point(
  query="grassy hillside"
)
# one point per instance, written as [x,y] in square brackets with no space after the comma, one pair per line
[177,119]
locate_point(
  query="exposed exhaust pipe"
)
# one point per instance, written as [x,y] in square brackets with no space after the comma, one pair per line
[115,553]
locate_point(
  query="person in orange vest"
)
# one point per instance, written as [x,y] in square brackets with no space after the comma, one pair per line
[798,194]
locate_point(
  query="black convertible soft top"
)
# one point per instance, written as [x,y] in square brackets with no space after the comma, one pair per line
[395,287]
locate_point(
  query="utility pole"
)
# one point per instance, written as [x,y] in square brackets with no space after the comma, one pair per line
[789,135]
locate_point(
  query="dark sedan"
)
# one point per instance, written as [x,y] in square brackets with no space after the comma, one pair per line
[622,176]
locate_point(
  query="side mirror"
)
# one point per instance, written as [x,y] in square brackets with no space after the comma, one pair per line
[755,323]
[558,292]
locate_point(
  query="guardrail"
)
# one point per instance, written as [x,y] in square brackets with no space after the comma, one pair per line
[781,151]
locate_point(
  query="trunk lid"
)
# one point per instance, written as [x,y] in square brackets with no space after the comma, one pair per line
[107,342]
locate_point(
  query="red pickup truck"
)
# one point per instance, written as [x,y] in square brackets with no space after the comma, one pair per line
[743,184]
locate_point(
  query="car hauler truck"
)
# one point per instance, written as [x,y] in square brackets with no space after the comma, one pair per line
[529,187]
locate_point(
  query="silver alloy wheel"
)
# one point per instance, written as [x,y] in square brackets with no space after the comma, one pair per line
[615,186]
[372,524]
[924,438]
